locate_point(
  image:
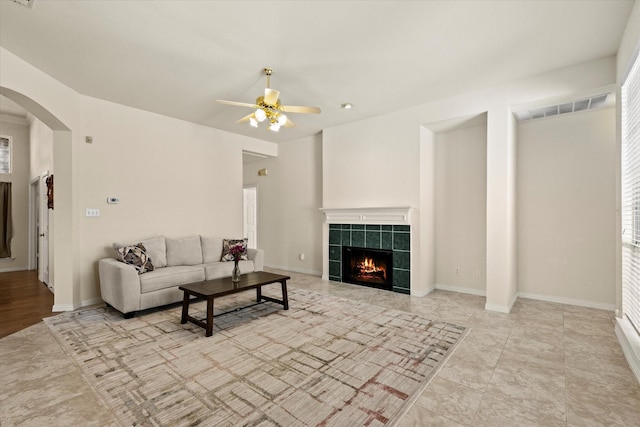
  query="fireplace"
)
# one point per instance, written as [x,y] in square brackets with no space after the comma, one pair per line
[369,267]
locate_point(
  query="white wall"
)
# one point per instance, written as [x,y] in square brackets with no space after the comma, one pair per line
[377,161]
[19,179]
[41,142]
[173,177]
[461,208]
[566,207]
[289,201]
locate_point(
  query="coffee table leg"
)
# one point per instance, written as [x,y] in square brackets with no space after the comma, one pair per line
[285,297]
[258,293]
[185,307]
[209,317]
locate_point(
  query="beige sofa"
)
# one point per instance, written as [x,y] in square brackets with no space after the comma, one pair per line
[176,262]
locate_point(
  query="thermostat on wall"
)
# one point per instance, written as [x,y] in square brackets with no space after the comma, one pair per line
[113,200]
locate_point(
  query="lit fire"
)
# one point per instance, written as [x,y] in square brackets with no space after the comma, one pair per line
[368,269]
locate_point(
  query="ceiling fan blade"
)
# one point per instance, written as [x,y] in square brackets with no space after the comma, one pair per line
[236,103]
[246,118]
[300,109]
[271,96]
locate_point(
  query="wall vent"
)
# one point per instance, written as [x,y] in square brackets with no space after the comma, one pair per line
[25,3]
[591,103]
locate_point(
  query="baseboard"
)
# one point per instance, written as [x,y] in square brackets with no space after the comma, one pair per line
[72,307]
[569,301]
[630,342]
[499,308]
[502,308]
[11,269]
[295,270]
[424,293]
[461,289]
[57,308]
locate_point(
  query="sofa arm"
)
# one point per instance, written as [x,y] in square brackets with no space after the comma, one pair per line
[119,285]
[257,256]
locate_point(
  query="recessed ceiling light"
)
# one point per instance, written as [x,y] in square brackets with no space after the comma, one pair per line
[347,105]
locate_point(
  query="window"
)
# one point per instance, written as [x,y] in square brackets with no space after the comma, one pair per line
[5,154]
[631,196]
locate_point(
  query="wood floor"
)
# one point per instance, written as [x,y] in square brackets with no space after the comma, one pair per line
[24,301]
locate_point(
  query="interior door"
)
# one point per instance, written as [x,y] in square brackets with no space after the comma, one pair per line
[250,208]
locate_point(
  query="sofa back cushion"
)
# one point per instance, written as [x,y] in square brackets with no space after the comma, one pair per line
[184,251]
[155,248]
[211,249]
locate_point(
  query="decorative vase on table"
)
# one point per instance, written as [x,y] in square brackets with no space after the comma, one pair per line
[235,274]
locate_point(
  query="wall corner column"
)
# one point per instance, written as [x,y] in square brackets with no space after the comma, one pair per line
[501,288]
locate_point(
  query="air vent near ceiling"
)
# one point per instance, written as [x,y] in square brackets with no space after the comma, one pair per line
[25,3]
[568,107]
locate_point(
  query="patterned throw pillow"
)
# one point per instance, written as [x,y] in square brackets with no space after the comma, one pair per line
[227,244]
[135,255]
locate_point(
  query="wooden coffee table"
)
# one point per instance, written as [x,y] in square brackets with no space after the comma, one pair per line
[210,289]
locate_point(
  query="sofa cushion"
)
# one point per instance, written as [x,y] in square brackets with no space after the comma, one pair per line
[184,251]
[216,270]
[157,250]
[155,247]
[135,255]
[227,244]
[211,249]
[168,277]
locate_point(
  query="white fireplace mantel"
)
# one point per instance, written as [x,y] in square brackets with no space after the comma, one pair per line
[389,215]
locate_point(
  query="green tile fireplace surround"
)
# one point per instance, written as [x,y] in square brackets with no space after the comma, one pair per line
[396,238]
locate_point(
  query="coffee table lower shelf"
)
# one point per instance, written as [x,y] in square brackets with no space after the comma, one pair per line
[210,289]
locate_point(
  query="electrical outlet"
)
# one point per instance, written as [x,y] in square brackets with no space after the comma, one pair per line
[301,256]
[457,270]
[478,272]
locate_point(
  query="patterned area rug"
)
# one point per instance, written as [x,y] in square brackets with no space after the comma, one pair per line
[326,361]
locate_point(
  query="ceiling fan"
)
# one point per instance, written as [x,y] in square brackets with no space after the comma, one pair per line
[268,108]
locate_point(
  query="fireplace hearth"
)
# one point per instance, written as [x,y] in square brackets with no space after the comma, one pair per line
[368,267]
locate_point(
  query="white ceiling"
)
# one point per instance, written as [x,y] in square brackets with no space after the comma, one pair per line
[177,57]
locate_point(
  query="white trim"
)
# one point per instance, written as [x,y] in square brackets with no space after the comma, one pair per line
[461,289]
[72,307]
[421,294]
[498,308]
[296,270]
[569,301]
[388,215]
[62,307]
[502,308]
[630,343]
[10,269]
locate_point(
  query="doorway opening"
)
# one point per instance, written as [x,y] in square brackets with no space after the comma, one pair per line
[39,230]
[250,215]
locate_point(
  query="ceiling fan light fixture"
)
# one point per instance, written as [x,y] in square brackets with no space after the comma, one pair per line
[260,115]
[282,120]
[275,127]
[253,122]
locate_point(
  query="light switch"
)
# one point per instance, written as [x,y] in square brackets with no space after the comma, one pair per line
[92,212]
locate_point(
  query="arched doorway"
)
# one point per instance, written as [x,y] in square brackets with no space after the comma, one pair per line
[61,243]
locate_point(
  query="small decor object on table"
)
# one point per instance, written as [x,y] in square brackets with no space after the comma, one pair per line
[236,251]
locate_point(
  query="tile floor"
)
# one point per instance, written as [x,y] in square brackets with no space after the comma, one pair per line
[544,364]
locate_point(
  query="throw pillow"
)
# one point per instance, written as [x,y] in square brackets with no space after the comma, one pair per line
[135,255]
[227,244]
